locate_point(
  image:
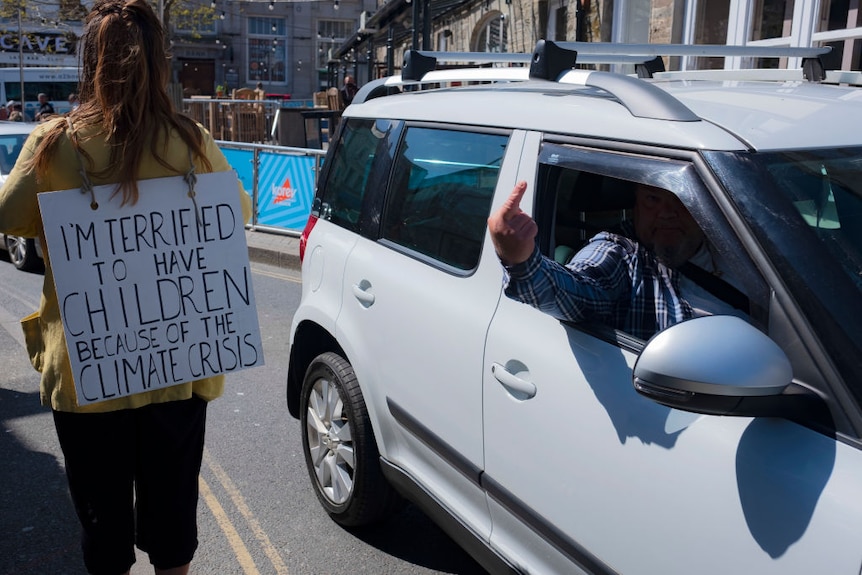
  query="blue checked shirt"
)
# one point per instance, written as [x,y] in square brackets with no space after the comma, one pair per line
[613,280]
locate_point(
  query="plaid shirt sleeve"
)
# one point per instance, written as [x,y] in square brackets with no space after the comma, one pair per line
[595,286]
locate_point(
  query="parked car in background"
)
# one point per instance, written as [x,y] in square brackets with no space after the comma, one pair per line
[719,445]
[24,253]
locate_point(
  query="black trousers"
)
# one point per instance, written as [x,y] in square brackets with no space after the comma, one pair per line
[133,477]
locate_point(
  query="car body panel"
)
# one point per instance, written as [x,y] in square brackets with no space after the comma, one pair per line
[772,115]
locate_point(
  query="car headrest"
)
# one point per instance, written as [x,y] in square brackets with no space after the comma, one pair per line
[597,193]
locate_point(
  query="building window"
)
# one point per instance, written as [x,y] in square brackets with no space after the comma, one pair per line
[772,19]
[330,35]
[711,28]
[493,35]
[267,51]
[552,19]
[443,40]
[839,15]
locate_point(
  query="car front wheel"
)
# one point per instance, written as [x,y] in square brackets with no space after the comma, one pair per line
[22,253]
[339,446]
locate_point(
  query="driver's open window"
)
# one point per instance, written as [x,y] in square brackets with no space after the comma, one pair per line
[583,192]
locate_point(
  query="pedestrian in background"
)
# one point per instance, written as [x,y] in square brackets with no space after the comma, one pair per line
[348,91]
[16,114]
[45,109]
[132,463]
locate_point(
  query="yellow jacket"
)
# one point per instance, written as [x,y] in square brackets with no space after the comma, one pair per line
[19,215]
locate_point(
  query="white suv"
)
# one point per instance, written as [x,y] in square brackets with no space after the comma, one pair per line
[718,446]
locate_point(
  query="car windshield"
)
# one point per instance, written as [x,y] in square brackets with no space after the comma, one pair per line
[805,209]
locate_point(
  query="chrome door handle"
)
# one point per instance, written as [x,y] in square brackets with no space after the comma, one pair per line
[518,387]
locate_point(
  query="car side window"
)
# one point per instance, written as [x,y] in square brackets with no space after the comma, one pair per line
[10,148]
[349,175]
[441,191]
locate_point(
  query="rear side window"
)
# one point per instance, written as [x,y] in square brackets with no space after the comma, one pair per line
[441,191]
[349,175]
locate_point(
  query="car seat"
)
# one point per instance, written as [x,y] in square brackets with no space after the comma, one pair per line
[588,203]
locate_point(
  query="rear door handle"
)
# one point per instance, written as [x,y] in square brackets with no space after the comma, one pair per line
[518,387]
[360,292]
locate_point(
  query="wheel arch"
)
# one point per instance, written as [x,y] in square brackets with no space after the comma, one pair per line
[310,340]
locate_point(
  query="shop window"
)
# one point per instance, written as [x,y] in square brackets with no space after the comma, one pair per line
[267,50]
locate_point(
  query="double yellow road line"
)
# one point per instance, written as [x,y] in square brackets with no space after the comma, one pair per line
[239,547]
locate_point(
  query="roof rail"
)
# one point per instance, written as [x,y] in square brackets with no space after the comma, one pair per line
[641,99]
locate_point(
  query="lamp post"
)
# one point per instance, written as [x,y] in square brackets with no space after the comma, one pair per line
[21,56]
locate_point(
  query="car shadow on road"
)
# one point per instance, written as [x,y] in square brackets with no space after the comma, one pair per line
[39,269]
[435,551]
[38,532]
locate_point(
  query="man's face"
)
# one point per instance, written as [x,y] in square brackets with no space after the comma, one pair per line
[43,98]
[664,226]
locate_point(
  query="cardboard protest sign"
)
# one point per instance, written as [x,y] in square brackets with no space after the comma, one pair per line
[155,294]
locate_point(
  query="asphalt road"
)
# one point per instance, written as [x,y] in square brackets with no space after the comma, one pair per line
[257,513]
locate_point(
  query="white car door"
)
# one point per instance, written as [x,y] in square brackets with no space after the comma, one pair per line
[617,483]
[586,475]
[417,324]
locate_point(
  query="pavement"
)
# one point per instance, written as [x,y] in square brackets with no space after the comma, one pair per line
[275,249]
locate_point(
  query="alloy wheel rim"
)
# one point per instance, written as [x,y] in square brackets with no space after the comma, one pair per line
[330,442]
[17,249]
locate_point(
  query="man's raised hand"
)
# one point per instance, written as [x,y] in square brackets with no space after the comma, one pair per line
[513,231]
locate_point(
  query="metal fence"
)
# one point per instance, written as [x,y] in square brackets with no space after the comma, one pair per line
[296,123]
[281,181]
[234,120]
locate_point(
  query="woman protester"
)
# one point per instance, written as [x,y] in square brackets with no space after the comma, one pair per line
[132,463]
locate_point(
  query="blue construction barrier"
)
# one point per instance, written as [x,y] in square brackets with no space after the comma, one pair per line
[281,182]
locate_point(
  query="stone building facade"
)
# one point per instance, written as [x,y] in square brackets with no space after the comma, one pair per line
[516,26]
[299,47]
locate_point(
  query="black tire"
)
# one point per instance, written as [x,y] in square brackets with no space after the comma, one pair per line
[22,253]
[338,442]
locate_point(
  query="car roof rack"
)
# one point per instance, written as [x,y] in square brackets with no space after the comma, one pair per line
[550,59]
[811,63]
[849,77]
[556,61]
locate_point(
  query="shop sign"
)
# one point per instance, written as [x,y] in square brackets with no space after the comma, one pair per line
[37,43]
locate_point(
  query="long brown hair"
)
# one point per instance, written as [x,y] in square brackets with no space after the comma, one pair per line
[123,95]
